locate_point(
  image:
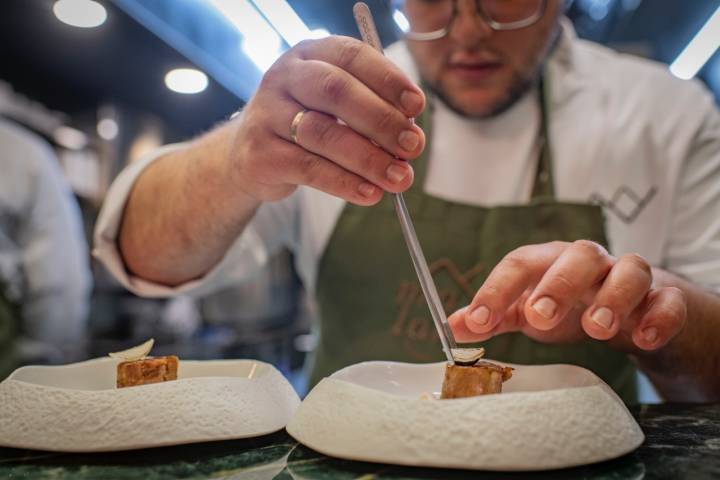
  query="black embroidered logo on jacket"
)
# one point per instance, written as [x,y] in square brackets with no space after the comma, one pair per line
[625,203]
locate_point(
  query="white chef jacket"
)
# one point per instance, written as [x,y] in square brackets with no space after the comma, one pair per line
[44,259]
[624,133]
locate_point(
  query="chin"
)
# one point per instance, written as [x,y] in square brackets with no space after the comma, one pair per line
[478,104]
[482,101]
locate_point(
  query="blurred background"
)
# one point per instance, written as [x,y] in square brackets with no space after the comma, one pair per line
[104,82]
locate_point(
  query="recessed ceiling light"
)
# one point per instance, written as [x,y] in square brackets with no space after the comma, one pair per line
[108,129]
[80,13]
[186,80]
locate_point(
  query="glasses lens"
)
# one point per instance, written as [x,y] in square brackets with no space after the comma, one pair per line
[511,11]
[428,15]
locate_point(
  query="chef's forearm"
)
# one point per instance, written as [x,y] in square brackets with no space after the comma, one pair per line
[184,212]
[688,368]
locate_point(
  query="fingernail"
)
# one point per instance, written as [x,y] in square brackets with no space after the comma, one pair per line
[603,316]
[480,316]
[650,334]
[409,140]
[411,101]
[396,173]
[366,189]
[546,307]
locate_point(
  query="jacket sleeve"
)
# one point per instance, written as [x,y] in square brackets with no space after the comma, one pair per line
[694,238]
[270,229]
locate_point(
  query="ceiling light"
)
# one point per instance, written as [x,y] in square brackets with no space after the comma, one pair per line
[80,13]
[186,80]
[108,129]
[699,50]
[401,21]
[287,22]
[260,41]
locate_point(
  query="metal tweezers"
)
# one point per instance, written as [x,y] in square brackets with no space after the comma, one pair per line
[369,34]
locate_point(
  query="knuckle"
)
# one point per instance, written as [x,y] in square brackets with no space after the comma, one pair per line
[304,46]
[371,160]
[667,315]
[558,245]
[334,86]
[592,249]
[637,261]
[669,309]
[344,183]
[678,299]
[516,259]
[616,296]
[562,285]
[310,166]
[348,50]
[274,76]
[320,129]
[390,81]
[489,294]
[676,292]
[386,120]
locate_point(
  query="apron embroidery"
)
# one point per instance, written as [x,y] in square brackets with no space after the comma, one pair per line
[458,292]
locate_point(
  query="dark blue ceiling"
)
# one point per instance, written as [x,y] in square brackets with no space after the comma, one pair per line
[658,28]
[125,60]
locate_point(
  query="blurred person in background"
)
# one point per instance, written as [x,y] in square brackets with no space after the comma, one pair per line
[45,277]
[567,194]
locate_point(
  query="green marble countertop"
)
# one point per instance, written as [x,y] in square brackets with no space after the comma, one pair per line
[683,442]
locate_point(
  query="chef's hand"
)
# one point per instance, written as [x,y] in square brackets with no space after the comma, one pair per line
[333,78]
[565,292]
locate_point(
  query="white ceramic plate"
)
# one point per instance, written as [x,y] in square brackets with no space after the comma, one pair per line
[76,408]
[547,417]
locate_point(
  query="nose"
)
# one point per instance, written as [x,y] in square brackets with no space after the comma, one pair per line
[468,27]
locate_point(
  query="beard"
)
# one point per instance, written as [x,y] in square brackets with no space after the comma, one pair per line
[519,86]
[517,90]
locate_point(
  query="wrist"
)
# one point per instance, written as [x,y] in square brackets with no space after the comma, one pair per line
[233,187]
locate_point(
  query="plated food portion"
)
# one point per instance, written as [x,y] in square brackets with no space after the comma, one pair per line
[550,416]
[79,407]
[136,368]
[470,376]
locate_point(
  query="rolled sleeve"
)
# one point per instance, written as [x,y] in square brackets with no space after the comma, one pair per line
[247,255]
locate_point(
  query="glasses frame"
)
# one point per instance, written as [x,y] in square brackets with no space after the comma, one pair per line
[497,26]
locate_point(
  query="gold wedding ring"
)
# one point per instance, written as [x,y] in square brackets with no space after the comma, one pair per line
[295,124]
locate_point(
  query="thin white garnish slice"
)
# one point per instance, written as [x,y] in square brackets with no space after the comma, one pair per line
[134,353]
[467,356]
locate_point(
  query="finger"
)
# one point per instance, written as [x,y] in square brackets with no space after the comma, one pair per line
[665,317]
[581,265]
[460,330]
[370,67]
[295,165]
[459,326]
[621,292]
[329,89]
[507,282]
[323,135]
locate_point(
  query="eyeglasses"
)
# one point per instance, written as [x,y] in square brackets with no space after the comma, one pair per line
[433,19]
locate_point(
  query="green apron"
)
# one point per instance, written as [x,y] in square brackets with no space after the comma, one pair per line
[8,334]
[370,302]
